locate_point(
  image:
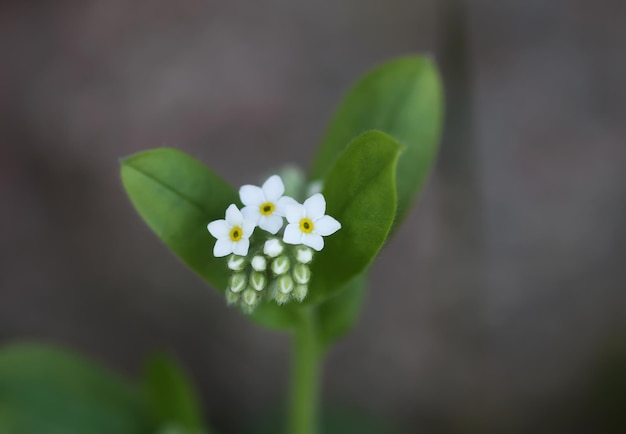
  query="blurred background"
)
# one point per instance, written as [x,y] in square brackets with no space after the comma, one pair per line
[500,306]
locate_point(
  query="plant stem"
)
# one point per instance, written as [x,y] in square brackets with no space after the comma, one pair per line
[305,376]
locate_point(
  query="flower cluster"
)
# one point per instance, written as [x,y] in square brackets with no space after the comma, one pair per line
[266,266]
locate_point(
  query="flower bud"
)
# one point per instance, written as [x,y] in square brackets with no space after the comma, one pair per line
[250,297]
[285,284]
[314,187]
[259,263]
[273,247]
[231,297]
[236,263]
[280,265]
[237,282]
[258,280]
[300,292]
[281,298]
[304,255]
[301,274]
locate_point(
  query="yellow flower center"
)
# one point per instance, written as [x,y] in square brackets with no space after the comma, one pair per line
[306,226]
[267,208]
[236,233]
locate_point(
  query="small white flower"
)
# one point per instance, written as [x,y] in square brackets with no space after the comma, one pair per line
[232,234]
[308,224]
[265,205]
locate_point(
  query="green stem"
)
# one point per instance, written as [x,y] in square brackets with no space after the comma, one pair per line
[305,376]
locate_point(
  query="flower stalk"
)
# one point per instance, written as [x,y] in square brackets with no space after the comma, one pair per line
[305,376]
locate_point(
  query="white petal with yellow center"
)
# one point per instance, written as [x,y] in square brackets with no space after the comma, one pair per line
[265,205]
[307,223]
[232,233]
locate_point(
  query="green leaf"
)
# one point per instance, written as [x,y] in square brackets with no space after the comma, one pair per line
[172,399]
[46,390]
[402,98]
[337,315]
[360,193]
[177,196]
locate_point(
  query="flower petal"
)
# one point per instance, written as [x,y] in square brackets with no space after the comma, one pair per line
[293,234]
[241,247]
[313,240]
[233,215]
[326,225]
[295,213]
[251,195]
[251,213]
[271,223]
[315,206]
[283,203]
[219,229]
[273,188]
[223,247]
[247,228]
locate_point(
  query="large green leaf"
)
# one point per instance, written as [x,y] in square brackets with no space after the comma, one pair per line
[360,193]
[177,196]
[402,98]
[172,399]
[46,390]
[336,315]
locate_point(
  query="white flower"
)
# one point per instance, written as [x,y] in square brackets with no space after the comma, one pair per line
[232,234]
[308,224]
[265,205]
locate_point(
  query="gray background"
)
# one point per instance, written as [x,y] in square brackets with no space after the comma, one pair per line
[497,307]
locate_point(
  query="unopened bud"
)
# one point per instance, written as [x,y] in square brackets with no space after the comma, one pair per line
[304,255]
[280,265]
[314,187]
[285,284]
[301,273]
[300,292]
[273,247]
[238,282]
[281,298]
[249,297]
[259,263]
[258,280]
[236,263]
[231,297]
